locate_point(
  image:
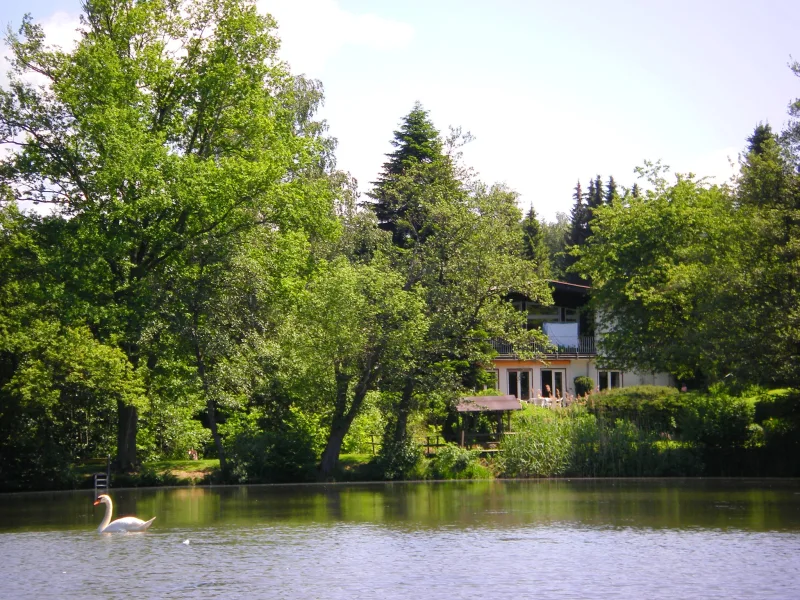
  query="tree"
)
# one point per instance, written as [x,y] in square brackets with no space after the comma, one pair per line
[611,191]
[533,243]
[656,264]
[769,196]
[352,325]
[579,229]
[171,126]
[463,254]
[760,137]
[416,142]
[556,236]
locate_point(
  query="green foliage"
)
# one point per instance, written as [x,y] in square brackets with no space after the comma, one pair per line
[583,385]
[453,462]
[366,428]
[172,144]
[556,238]
[541,446]
[655,408]
[401,460]
[260,453]
[534,248]
[716,420]
[664,270]
[575,442]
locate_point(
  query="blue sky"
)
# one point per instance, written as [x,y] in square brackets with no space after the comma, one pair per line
[552,91]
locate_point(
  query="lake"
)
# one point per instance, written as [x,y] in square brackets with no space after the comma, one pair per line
[494,539]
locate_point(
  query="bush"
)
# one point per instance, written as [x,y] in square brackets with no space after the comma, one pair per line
[583,385]
[401,460]
[716,420]
[262,452]
[575,442]
[454,462]
[652,408]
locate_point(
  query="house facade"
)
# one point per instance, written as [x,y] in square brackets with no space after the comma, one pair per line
[568,325]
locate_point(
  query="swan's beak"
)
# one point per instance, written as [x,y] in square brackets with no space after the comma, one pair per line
[96,502]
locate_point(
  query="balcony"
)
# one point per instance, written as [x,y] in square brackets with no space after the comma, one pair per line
[580,347]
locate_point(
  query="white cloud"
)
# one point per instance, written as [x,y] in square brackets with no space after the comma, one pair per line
[313,31]
[60,29]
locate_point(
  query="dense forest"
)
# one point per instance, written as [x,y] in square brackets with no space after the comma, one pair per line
[183,266]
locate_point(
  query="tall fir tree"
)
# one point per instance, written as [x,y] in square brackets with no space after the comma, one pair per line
[762,134]
[579,229]
[611,190]
[417,141]
[534,248]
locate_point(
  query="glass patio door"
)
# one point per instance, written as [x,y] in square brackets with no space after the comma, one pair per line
[553,381]
[519,384]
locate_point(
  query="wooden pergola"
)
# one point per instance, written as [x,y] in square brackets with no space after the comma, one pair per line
[499,406]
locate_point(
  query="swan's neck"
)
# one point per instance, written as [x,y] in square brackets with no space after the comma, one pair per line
[107,518]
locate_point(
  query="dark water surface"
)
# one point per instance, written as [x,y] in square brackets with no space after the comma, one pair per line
[502,539]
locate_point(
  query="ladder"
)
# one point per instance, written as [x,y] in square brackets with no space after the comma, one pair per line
[101,480]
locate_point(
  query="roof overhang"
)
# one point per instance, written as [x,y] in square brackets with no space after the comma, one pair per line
[488,403]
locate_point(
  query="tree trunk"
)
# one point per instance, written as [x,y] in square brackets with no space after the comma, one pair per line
[400,429]
[211,406]
[343,418]
[127,427]
[330,457]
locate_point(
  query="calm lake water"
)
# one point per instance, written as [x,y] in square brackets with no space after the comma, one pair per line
[501,539]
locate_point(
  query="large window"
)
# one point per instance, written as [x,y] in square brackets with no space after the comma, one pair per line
[609,379]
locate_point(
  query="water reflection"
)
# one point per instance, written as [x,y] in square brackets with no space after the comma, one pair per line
[765,505]
[502,539]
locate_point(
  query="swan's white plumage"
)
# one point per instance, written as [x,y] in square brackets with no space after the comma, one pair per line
[122,524]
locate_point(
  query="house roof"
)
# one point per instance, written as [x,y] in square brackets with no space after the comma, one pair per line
[488,403]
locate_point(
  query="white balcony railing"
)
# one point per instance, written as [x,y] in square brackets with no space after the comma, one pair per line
[584,346]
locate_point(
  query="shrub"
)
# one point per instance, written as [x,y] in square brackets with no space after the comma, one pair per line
[583,385]
[716,420]
[401,460]
[575,442]
[454,462]
[259,452]
[541,446]
[652,408]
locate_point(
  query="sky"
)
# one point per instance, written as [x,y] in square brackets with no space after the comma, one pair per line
[553,92]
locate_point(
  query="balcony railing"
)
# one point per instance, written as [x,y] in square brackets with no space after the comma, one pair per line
[584,347]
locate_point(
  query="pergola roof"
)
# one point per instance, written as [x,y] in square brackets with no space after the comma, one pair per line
[488,403]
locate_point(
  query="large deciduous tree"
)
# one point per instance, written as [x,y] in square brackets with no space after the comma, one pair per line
[170,128]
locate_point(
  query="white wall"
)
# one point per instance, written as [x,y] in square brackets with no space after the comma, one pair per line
[578,367]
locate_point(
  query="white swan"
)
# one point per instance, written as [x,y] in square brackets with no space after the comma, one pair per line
[123,524]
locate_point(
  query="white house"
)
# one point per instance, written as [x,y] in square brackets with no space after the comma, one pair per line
[567,328]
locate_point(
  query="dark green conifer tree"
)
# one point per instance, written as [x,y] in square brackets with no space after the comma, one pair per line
[757,141]
[533,244]
[579,228]
[611,190]
[417,141]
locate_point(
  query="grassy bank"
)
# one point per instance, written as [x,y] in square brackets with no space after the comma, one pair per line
[165,472]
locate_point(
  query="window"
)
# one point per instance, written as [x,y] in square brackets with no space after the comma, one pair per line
[569,315]
[553,383]
[519,384]
[609,379]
